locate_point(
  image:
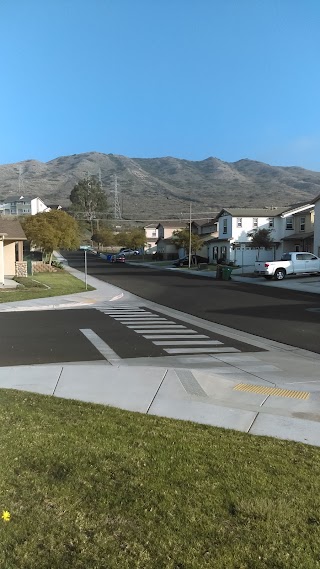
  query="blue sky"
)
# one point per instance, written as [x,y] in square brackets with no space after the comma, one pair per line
[143,78]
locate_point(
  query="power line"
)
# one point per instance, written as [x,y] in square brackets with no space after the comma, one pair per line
[205,216]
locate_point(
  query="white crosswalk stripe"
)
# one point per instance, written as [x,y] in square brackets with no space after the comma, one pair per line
[165,324]
[174,338]
[199,350]
[177,336]
[188,343]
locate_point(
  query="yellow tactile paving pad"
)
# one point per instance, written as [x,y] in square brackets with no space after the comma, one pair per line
[276,391]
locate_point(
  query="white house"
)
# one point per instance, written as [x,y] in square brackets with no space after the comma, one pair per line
[38,206]
[234,240]
[151,232]
[291,230]
[22,205]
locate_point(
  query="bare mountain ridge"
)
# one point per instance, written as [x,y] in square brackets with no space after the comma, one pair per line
[153,187]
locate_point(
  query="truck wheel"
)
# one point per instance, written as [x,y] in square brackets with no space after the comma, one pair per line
[280,274]
[268,277]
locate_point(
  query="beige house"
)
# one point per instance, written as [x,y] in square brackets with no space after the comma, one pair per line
[11,247]
[166,246]
[207,229]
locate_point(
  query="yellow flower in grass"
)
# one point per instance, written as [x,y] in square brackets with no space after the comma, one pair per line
[6,516]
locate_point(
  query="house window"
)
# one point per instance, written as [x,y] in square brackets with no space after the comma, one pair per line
[289,223]
[225,226]
[302,223]
[239,221]
[271,223]
[255,222]
[154,234]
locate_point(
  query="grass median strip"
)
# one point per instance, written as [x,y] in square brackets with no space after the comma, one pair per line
[92,486]
[44,285]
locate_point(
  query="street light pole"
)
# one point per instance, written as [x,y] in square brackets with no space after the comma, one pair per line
[2,236]
[85,269]
[190,236]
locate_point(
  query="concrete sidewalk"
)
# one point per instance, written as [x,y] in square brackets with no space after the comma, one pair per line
[275,392]
[212,397]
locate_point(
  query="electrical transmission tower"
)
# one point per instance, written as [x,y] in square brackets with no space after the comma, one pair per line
[100,178]
[117,208]
[21,183]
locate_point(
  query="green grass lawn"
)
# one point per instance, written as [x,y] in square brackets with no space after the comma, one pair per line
[42,285]
[94,487]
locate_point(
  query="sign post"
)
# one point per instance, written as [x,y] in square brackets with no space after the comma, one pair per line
[85,249]
[242,249]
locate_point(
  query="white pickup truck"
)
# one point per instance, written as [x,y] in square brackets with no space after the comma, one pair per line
[289,264]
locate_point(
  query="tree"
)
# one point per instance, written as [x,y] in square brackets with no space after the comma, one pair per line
[51,230]
[182,239]
[103,237]
[88,198]
[134,238]
[261,238]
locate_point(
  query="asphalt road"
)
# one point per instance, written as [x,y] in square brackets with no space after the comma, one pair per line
[281,315]
[57,337]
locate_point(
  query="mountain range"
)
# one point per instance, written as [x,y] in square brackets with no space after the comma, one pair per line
[153,188]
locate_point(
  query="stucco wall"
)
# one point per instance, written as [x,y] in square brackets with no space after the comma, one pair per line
[9,253]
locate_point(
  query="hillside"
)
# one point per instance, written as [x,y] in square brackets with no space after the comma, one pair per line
[150,188]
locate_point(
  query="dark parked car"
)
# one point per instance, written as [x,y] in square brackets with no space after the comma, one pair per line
[184,261]
[121,258]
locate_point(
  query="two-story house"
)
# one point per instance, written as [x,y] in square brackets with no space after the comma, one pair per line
[235,229]
[298,228]
[22,205]
[291,230]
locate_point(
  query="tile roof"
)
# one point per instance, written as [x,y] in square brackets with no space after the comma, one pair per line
[177,223]
[13,229]
[253,212]
[18,198]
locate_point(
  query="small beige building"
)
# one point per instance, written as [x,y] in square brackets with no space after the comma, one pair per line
[12,237]
[166,246]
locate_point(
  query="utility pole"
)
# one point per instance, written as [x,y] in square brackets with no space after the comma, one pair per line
[190,236]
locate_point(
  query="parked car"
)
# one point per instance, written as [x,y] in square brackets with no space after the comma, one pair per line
[195,259]
[120,258]
[290,264]
[129,251]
